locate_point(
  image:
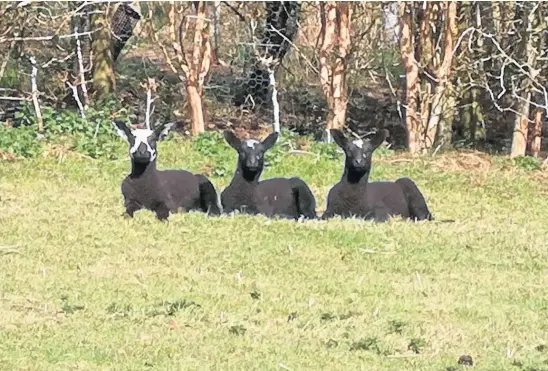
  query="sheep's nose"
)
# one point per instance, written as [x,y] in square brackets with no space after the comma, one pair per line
[358,163]
[142,152]
[252,164]
[142,149]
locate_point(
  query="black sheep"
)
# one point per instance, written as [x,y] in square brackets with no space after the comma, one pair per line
[161,191]
[283,197]
[355,196]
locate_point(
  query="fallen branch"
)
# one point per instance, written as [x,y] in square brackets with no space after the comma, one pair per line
[76,98]
[298,151]
[16,99]
[52,60]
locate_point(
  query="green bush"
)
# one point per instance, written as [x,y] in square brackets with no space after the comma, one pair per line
[527,163]
[329,151]
[92,135]
[211,144]
[286,141]
[21,141]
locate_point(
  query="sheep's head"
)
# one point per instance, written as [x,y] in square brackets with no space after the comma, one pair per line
[142,142]
[250,152]
[358,152]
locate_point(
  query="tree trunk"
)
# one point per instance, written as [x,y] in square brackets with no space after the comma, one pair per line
[477,131]
[437,124]
[216,31]
[425,55]
[444,136]
[199,67]
[536,133]
[103,63]
[328,16]
[412,121]
[507,23]
[390,21]
[497,17]
[521,123]
[340,96]
[195,109]
[335,41]
[465,115]
[469,14]
[191,65]
[463,57]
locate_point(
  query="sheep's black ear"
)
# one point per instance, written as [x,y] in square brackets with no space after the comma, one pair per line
[232,139]
[161,131]
[338,137]
[269,141]
[379,137]
[121,128]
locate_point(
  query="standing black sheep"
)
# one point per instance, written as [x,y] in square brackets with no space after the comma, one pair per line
[355,196]
[284,197]
[161,191]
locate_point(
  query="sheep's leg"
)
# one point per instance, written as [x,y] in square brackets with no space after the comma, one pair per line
[131,208]
[328,214]
[418,210]
[331,209]
[380,215]
[287,216]
[208,196]
[162,211]
[263,209]
[306,203]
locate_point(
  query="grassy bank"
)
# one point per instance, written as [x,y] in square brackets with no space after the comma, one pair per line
[83,288]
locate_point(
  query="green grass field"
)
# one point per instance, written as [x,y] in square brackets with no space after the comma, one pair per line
[83,288]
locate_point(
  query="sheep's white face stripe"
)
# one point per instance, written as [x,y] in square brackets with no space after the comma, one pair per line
[358,143]
[141,137]
[251,143]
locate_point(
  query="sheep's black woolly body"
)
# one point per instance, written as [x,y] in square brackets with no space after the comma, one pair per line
[377,200]
[286,198]
[167,191]
[162,191]
[354,196]
[283,197]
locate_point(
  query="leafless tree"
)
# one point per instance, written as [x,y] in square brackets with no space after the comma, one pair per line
[333,52]
[187,50]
